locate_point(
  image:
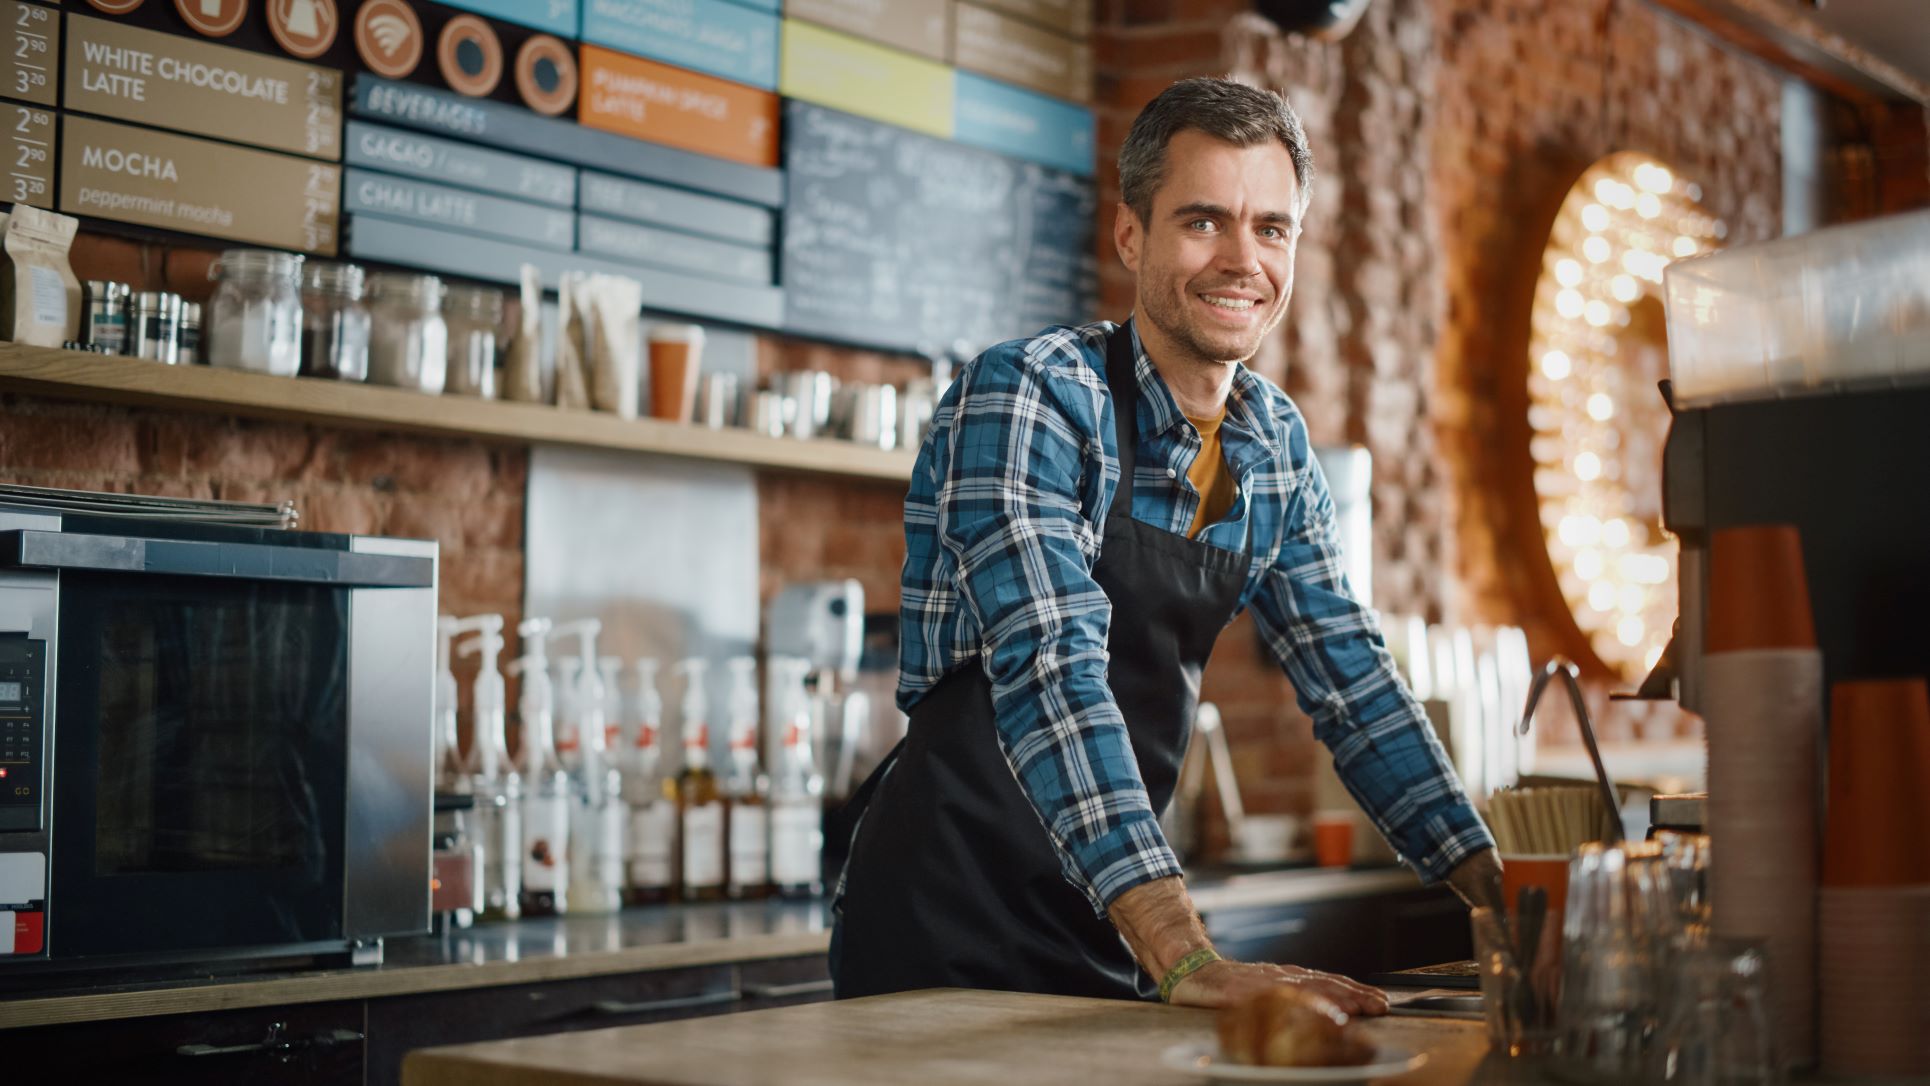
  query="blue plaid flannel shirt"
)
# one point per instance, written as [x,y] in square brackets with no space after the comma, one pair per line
[1003,522]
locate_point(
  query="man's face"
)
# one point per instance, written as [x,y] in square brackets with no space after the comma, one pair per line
[1215,259]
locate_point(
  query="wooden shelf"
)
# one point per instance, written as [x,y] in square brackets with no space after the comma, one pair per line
[79,375]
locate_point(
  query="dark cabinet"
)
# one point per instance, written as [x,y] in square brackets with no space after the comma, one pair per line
[1354,936]
[400,1024]
[315,1043]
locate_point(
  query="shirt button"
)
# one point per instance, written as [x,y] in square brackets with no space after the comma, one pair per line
[1172,473]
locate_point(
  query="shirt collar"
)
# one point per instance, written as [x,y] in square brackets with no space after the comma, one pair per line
[1159,412]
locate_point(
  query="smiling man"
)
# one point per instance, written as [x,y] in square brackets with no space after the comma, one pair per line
[1091,509]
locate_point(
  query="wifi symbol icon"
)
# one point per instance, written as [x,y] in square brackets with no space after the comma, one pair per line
[388,37]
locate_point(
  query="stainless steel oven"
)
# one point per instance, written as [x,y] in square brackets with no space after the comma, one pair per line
[214,741]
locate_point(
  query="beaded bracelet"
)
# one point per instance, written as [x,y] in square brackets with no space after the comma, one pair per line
[1184,968]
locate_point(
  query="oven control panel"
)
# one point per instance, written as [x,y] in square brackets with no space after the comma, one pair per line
[23,731]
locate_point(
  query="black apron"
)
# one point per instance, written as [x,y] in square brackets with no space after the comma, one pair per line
[952,880]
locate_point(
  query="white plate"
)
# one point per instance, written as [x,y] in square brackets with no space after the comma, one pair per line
[1203,1058]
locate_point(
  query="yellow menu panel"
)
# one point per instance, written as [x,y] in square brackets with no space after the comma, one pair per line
[854,76]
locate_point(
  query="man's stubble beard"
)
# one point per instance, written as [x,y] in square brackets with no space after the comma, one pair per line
[1169,313]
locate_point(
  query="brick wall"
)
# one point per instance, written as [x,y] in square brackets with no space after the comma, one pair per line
[1441,128]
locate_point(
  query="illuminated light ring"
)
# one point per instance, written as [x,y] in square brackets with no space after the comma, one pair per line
[1621,224]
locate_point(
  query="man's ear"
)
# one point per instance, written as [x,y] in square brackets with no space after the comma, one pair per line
[1128,233]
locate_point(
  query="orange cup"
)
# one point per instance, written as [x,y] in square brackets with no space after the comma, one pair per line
[676,355]
[1333,840]
[1758,593]
[1548,872]
[1879,767]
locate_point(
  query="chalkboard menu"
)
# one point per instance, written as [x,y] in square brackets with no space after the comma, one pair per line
[896,240]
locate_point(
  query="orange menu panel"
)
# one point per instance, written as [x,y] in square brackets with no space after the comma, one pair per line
[632,96]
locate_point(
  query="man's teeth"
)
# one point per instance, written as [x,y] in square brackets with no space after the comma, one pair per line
[1229,303]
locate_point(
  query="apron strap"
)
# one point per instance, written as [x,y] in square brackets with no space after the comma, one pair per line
[1122,379]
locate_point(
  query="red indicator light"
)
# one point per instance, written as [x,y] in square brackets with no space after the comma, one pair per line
[3,771]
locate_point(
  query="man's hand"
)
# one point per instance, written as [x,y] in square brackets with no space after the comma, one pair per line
[1478,881]
[1225,983]
[1158,922]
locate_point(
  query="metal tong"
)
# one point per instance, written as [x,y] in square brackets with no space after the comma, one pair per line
[1571,678]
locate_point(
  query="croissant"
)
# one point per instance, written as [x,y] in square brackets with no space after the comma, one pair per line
[1288,1027]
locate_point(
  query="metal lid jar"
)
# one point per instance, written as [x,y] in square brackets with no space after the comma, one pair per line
[335,323]
[408,340]
[255,316]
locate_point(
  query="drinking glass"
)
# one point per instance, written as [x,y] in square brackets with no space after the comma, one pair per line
[1716,1030]
[1617,956]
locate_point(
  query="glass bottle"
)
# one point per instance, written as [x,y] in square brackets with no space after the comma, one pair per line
[473,314]
[745,789]
[651,845]
[408,340]
[255,320]
[546,799]
[335,322]
[700,804]
[797,792]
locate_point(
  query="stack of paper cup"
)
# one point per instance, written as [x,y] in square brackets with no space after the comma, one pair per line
[1875,923]
[1763,711]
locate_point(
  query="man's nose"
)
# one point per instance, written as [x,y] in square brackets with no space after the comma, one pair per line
[1239,254]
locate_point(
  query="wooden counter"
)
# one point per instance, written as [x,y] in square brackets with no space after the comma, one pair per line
[934,1038]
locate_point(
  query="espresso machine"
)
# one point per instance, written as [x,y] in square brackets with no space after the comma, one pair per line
[1801,395]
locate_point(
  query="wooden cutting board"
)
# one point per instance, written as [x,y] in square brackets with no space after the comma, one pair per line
[945,1036]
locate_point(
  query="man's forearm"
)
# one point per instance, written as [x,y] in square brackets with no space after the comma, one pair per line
[1159,923]
[1478,880]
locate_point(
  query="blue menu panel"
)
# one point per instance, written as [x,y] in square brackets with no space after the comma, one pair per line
[1022,124]
[714,36]
[557,17]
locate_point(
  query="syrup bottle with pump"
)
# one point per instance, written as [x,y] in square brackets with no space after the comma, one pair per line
[546,795]
[651,845]
[700,803]
[493,778]
[745,789]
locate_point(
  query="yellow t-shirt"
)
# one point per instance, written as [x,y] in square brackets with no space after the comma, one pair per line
[1216,485]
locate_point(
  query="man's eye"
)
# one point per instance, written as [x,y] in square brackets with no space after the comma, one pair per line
[1200,225]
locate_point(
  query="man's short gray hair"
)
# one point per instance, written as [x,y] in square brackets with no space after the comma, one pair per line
[1222,108]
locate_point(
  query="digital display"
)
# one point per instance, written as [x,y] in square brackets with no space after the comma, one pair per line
[10,691]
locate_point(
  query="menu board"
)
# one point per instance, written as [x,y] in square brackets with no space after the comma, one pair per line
[29,151]
[718,37]
[1013,121]
[1011,49]
[1071,17]
[193,85]
[917,26]
[134,175]
[392,150]
[896,240]
[558,17]
[646,100]
[442,205]
[31,52]
[855,76]
[674,249]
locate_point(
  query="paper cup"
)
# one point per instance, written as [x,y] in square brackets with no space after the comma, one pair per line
[1333,840]
[676,357]
[1878,828]
[1758,593]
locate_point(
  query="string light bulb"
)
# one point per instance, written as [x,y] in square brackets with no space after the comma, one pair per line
[1615,569]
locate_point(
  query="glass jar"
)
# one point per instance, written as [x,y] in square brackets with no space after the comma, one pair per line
[408,340]
[335,323]
[473,315]
[256,313]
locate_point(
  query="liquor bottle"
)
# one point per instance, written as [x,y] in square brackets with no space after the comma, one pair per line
[651,844]
[797,790]
[546,796]
[745,790]
[700,804]
[493,778]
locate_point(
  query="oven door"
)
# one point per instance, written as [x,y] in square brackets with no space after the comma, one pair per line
[201,747]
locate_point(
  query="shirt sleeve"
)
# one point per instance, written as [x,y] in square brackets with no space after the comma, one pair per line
[1015,507]
[1384,748]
